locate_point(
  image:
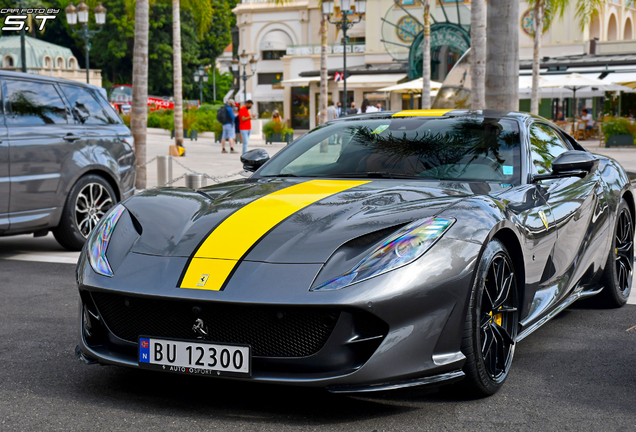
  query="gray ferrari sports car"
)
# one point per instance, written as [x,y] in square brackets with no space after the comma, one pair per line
[375,252]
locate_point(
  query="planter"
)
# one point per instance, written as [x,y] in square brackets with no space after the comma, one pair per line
[193,134]
[620,141]
[277,137]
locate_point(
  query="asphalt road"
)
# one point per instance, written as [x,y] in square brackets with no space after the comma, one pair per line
[576,373]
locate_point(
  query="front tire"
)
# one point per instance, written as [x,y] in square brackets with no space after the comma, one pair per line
[88,201]
[492,321]
[617,276]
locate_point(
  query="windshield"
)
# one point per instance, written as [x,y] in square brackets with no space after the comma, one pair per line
[481,149]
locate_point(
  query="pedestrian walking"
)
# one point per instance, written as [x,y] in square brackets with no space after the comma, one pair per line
[339,109]
[332,112]
[379,107]
[225,116]
[245,125]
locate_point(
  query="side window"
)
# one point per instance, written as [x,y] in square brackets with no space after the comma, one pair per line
[545,145]
[32,103]
[85,107]
[108,109]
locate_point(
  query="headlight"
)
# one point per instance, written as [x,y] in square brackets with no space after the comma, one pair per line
[404,247]
[98,241]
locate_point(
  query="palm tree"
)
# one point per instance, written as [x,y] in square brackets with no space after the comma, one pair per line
[139,112]
[502,55]
[323,68]
[478,53]
[202,12]
[545,10]
[177,72]
[426,56]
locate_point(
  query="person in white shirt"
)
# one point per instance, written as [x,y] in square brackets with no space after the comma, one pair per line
[366,108]
[332,112]
[586,116]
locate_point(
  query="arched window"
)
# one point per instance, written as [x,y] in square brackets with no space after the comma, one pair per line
[59,63]
[7,61]
[612,29]
[72,64]
[48,63]
[628,33]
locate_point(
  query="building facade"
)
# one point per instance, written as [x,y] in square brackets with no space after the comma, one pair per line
[285,41]
[45,58]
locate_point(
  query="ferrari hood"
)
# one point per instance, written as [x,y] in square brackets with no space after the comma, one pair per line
[278,221]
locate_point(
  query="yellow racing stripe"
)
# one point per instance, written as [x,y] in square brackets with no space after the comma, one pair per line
[217,256]
[421,113]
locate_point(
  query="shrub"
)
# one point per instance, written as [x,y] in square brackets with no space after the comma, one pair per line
[277,127]
[618,126]
[154,120]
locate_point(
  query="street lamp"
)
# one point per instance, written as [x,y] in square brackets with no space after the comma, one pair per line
[244,61]
[80,14]
[344,24]
[201,77]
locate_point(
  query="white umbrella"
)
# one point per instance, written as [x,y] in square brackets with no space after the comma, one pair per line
[576,81]
[414,86]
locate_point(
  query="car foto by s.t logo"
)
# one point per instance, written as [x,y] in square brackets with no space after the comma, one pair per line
[16,18]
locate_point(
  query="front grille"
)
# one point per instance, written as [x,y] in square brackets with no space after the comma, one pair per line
[271,331]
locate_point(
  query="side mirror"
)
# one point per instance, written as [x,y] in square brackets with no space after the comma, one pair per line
[254,159]
[573,163]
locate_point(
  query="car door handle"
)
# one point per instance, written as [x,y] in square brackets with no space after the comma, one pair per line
[71,137]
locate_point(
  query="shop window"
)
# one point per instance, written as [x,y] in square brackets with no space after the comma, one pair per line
[269,78]
[272,55]
[265,109]
[300,107]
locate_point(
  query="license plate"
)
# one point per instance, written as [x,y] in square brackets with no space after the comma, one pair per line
[192,357]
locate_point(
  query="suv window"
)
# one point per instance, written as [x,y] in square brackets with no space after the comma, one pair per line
[85,108]
[33,103]
[545,145]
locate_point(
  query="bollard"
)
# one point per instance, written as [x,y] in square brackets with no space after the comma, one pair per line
[164,170]
[195,181]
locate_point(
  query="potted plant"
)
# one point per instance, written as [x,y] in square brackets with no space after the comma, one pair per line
[277,131]
[618,131]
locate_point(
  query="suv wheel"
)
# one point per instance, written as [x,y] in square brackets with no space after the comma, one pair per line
[89,200]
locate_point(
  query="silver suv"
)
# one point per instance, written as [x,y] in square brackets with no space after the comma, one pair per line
[66,158]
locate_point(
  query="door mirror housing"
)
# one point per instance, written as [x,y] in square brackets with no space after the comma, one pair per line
[573,163]
[254,159]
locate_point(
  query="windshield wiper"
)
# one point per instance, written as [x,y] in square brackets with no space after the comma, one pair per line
[379,174]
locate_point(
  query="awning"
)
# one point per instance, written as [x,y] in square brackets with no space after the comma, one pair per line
[373,80]
[413,86]
[276,40]
[627,79]
[300,82]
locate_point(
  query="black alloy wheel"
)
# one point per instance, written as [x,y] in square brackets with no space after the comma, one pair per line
[491,323]
[619,268]
[498,317]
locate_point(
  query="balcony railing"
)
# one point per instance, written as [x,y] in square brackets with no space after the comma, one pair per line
[354,47]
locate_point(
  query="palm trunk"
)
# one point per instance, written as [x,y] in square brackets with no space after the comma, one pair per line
[539,12]
[324,82]
[502,55]
[139,111]
[426,57]
[177,72]
[478,53]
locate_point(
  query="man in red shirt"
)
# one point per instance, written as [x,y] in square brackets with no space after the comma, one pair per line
[245,123]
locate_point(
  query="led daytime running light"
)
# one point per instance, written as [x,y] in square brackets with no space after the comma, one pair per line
[98,242]
[404,247]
